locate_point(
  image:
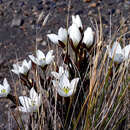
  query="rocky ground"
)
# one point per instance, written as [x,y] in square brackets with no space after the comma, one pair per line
[18,20]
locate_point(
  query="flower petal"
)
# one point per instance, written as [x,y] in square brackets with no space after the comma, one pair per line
[76,20]
[33,94]
[34,60]
[54,38]
[15,69]
[49,57]
[25,101]
[40,55]
[88,37]
[74,34]
[55,74]
[126,52]
[62,35]
[116,48]
[64,81]
[24,109]
[74,83]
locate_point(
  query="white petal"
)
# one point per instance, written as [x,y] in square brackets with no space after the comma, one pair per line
[61,70]
[116,48]
[24,109]
[55,83]
[76,20]
[118,58]
[62,35]
[33,94]
[64,81]
[33,59]
[54,38]
[15,69]
[74,34]
[40,55]
[41,62]
[49,57]
[126,52]
[29,64]
[88,37]
[39,100]
[74,83]
[24,63]
[25,101]
[55,74]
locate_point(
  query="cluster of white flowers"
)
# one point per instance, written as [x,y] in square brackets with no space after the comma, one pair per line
[22,69]
[41,59]
[74,34]
[30,104]
[33,103]
[64,87]
[118,54]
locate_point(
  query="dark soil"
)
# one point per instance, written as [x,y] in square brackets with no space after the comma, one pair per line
[18,29]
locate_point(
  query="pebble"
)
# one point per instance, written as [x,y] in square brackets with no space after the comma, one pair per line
[17,21]
[86,0]
[39,7]
[93,5]
[44,43]
[39,39]
[39,1]
[1,1]
[79,12]
[24,92]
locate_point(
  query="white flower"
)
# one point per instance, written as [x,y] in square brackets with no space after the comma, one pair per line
[74,34]
[126,52]
[30,104]
[65,88]
[118,54]
[5,88]
[22,69]
[62,36]
[76,20]
[58,75]
[41,59]
[88,37]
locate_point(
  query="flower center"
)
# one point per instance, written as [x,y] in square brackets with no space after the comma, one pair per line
[43,58]
[33,103]
[66,90]
[3,91]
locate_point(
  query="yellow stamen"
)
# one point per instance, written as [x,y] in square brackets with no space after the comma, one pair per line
[3,90]
[66,90]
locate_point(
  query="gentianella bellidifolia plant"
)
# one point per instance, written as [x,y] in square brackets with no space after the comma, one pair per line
[76,87]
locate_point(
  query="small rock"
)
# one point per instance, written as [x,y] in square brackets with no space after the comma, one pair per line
[24,92]
[17,21]
[44,43]
[93,5]
[39,1]
[21,3]
[127,4]
[86,0]
[118,11]
[1,1]
[39,7]
[39,39]
[79,12]
[6,105]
